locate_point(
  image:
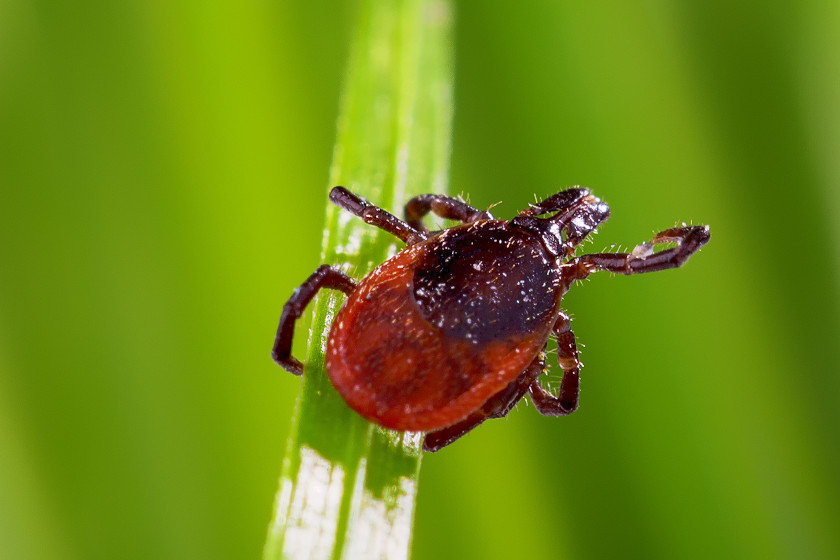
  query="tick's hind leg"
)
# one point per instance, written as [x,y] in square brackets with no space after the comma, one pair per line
[375,216]
[443,206]
[498,406]
[643,258]
[567,401]
[324,277]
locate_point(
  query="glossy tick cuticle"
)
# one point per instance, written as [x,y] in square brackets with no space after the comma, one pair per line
[452,330]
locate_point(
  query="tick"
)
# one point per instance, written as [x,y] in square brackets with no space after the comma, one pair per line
[452,330]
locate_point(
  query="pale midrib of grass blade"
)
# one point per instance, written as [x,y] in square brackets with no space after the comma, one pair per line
[348,488]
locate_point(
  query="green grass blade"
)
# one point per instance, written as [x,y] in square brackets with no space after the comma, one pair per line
[347,488]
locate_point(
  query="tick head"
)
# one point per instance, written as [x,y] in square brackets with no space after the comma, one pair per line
[582,220]
[574,214]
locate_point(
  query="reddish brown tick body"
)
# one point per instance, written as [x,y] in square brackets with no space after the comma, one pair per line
[452,330]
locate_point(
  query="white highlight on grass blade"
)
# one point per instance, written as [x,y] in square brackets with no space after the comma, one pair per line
[381,528]
[308,511]
[325,334]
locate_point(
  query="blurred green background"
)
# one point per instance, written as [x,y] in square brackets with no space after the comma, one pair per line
[162,189]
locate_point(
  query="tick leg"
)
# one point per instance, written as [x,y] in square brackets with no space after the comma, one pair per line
[567,402]
[443,206]
[643,259]
[375,216]
[498,406]
[324,277]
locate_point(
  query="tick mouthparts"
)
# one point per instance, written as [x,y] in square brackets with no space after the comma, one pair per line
[561,202]
[590,204]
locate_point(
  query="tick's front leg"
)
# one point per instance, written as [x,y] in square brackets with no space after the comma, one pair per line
[375,216]
[324,277]
[643,258]
[567,355]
